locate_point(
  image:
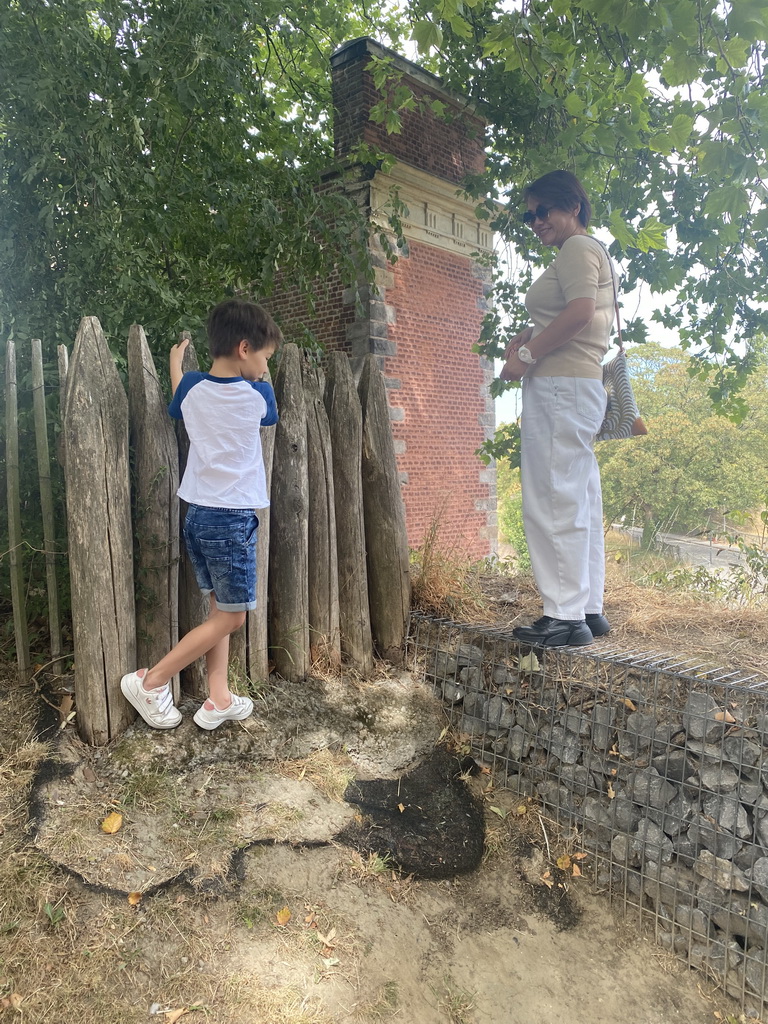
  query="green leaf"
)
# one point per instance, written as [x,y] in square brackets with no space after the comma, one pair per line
[621,231]
[652,235]
[574,104]
[427,35]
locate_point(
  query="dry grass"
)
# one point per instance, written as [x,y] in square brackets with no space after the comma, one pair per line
[328,771]
[443,582]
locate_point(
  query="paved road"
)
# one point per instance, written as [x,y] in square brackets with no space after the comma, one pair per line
[692,550]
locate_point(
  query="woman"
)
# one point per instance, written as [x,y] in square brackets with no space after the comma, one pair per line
[559,361]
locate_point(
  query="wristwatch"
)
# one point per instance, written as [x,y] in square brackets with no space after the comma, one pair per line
[524,355]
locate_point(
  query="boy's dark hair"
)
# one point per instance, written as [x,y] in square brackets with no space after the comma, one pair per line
[236,320]
[562,190]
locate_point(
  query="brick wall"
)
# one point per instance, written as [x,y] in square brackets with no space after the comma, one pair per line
[438,397]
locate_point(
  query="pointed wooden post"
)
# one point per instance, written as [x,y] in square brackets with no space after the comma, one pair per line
[324,641]
[14,512]
[155,508]
[288,542]
[193,607]
[346,425]
[386,540]
[46,501]
[95,424]
[257,623]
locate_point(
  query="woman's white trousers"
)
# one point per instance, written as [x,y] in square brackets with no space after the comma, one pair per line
[562,500]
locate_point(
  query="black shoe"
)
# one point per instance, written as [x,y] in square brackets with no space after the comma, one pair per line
[598,624]
[549,632]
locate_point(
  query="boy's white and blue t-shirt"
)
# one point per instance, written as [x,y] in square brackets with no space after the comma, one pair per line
[222,416]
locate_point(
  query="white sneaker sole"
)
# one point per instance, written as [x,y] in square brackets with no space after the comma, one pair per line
[137,703]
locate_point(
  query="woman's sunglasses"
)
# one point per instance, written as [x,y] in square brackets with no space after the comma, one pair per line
[540,213]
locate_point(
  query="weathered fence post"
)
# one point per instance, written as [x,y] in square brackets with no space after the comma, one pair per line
[155,506]
[288,588]
[257,623]
[324,644]
[345,419]
[95,424]
[46,501]
[193,607]
[386,540]
[14,511]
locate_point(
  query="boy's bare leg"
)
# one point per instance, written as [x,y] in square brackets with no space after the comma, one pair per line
[198,641]
[217,664]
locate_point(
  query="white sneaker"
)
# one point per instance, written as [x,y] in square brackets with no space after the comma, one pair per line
[156,707]
[240,708]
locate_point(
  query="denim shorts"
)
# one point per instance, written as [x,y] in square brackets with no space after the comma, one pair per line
[221,543]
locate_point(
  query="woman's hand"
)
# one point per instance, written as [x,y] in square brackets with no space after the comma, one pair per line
[514,368]
[519,339]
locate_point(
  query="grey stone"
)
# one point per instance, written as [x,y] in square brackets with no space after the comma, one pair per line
[717,958]
[673,766]
[719,780]
[500,714]
[445,665]
[578,779]
[556,798]
[755,970]
[451,692]
[472,677]
[597,820]
[474,727]
[650,844]
[742,917]
[622,850]
[685,851]
[635,695]
[520,785]
[668,884]
[624,814]
[720,871]
[693,920]
[468,654]
[562,745]
[675,817]
[740,751]
[666,737]
[603,731]
[728,813]
[475,704]
[576,722]
[759,876]
[699,719]
[640,730]
[519,743]
[648,789]
[750,793]
[710,898]
[748,855]
[761,726]
[504,677]
[704,832]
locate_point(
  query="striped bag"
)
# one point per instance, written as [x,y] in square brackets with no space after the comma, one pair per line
[622,418]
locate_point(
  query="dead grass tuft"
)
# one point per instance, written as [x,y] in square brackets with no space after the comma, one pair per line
[443,582]
[328,771]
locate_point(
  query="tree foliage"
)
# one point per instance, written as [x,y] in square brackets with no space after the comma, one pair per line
[695,469]
[661,108]
[155,155]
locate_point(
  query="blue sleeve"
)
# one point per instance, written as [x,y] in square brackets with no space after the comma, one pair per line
[186,383]
[266,391]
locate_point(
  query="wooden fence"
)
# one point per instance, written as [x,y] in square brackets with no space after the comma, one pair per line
[333,583]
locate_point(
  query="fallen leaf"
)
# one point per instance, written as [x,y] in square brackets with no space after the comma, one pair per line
[112,823]
[310,919]
[283,916]
[14,1000]
[171,1016]
[522,809]
[401,807]
[498,810]
[89,774]
[546,879]
[134,898]
[725,716]
[563,862]
[529,663]
[611,791]
[630,704]
[576,872]
[332,962]
[65,707]
[327,940]
[579,856]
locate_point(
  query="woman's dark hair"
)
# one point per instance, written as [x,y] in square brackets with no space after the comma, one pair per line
[235,320]
[563,190]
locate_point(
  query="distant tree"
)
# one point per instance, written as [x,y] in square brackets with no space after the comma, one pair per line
[694,466]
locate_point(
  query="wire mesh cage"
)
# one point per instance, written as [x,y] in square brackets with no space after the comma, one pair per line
[658,763]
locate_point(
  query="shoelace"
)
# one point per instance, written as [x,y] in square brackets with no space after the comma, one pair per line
[164,698]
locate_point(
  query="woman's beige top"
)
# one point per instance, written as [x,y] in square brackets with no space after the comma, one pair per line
[581,270]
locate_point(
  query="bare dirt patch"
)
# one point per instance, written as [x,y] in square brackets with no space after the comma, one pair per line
[182,912]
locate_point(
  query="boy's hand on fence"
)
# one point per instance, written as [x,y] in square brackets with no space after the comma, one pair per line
[176,359]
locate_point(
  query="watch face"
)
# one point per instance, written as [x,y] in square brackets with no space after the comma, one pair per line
[524,355]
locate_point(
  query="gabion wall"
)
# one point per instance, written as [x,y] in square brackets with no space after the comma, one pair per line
[660,765]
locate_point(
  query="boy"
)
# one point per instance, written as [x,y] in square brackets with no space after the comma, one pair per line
[224,482]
